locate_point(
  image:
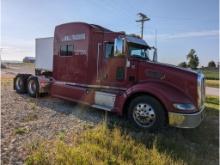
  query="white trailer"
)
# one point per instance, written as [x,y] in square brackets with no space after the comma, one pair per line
[44,54]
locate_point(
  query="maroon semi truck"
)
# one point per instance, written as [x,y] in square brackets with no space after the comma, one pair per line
[113,71]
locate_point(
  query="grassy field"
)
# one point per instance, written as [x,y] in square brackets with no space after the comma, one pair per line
[119,143]
[212,77]
[212,83]
[211,74]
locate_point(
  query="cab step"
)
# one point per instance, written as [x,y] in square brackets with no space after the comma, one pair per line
[102,107]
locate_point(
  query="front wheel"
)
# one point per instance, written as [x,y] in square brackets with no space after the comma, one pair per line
[147,112]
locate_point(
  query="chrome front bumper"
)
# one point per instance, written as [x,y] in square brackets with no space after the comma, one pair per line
[181,120]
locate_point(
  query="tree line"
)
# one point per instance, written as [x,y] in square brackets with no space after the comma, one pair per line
[193,61]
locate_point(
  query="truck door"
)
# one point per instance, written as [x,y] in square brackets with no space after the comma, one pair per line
[112,70]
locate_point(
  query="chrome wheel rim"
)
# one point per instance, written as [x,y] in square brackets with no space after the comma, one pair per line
[144,115]
[19,83]
[32,87]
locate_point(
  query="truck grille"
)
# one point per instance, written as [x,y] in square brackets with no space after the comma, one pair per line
[201,90]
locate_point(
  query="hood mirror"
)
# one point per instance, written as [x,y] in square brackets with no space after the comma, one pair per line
[119,47]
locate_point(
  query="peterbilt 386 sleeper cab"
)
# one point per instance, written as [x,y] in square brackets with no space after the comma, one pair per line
[113,71]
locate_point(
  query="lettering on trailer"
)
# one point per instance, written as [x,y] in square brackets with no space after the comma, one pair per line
[74,37]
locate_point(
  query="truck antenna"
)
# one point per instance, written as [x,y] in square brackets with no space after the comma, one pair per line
[142,19]
[155,38]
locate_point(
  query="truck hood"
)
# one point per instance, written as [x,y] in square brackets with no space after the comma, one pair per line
[167,69]
[184,80]
[177,67]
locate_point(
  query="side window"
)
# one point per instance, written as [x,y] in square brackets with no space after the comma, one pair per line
[66,50]
[70,50]
[63,50]
[109,50]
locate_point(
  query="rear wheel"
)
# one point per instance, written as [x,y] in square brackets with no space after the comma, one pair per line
[147,112]
[33,87]
[20,83]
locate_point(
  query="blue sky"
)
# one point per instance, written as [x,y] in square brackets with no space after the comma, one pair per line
[181,25]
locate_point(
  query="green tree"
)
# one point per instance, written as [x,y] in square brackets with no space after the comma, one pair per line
[183,65]
[211,64]
[193,59]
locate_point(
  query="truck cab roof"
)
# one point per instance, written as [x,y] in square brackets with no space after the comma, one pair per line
[93,26]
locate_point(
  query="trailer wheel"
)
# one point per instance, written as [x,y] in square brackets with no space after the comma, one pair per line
[20,83]
[33,87]
[146,112]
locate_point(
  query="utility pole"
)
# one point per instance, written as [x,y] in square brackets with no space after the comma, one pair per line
[142,19]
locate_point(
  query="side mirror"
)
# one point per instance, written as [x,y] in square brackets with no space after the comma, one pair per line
[119,47]
[155,54]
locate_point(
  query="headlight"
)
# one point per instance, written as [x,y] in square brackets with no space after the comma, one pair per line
[184,106]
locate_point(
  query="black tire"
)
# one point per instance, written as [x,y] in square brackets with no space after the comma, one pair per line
[148,109]
[33,87]
[20,83]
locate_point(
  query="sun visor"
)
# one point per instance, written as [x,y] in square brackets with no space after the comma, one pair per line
[136,40]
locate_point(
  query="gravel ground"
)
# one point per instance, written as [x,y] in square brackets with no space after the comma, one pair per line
[26,120]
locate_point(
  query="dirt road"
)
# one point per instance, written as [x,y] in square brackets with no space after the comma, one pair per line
[212,91]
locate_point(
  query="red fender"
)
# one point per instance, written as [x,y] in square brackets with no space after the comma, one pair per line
[165,93]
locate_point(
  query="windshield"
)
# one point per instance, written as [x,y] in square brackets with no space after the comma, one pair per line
[138,51]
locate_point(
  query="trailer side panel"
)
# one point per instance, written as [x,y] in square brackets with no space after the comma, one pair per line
[44,54]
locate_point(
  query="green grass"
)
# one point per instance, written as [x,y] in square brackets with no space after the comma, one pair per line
[20,131]
[212,102]
[212,83]
[211,74]
[212,77]
[101,145]
[119,143]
